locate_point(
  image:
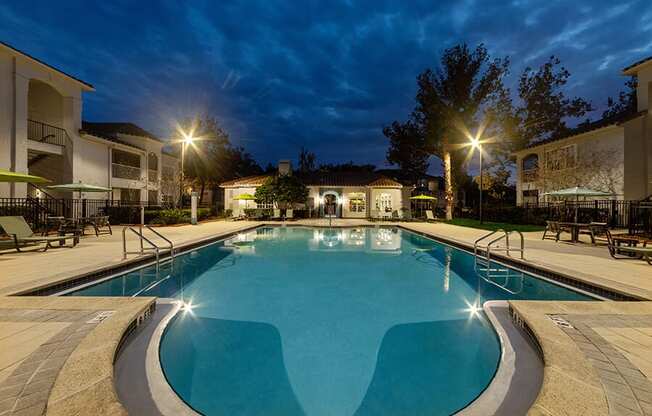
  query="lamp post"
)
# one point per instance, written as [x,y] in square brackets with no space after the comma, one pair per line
[475,144]
[187,139]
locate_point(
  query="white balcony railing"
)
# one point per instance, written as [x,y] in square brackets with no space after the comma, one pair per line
[126,172]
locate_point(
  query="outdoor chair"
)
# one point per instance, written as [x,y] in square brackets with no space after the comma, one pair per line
[395,215]
[552,227]
[624,252]
[22,234]
[101,225]
[430,217]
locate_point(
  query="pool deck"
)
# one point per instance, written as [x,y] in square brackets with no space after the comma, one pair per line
[573,383]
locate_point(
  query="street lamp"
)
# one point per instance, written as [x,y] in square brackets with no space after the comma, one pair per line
[186,139]
[476,144]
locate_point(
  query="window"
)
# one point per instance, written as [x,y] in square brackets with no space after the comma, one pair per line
[129,195]
[357,202]
[152,161]
[561,158]
[265,205]
[530,168]
[384,202]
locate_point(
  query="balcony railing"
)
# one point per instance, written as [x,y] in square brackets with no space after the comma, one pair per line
[126,172]
[46,133]
[530,175]
[152,176]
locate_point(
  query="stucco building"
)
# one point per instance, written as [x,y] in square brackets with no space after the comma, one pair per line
[334,194]
[612,155]
[42,133]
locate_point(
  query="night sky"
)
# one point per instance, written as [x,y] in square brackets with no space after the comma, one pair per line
[325,75]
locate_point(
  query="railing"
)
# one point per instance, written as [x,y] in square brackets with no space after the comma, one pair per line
[36,210]
[126,172]
[142,238]
[46,133]
[616,213]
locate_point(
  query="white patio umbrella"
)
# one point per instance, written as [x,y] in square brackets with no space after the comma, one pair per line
[577,192]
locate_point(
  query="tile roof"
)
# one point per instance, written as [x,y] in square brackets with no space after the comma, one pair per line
[324,179]
[85,84]
[628,70]
[256,180]
[106,130]
[585,128]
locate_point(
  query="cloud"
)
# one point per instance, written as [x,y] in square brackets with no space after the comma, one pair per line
[327,76]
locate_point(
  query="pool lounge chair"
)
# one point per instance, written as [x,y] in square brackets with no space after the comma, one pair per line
[625,252]
[101,225]
[18,229]
[430,217]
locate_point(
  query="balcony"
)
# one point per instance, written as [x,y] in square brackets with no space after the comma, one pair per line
[126,172]
[529,175]
[45,133]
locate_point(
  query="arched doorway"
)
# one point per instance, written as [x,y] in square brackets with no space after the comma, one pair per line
[330,204]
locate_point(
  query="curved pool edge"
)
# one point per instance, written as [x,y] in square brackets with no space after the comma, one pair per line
[520,367]
[166,400]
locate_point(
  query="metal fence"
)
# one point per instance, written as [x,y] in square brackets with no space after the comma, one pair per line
[616,213]
[36,210]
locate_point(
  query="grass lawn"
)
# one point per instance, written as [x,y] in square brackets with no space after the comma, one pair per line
[491,226]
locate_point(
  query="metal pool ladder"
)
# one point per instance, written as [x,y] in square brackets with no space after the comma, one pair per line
[142,238]
[482,256]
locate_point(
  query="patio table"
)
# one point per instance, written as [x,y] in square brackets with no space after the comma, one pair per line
[575,228]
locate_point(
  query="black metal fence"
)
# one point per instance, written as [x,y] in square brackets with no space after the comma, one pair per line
[36,210]
[635,216]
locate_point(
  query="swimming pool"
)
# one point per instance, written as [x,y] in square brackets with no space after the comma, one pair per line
[303,321]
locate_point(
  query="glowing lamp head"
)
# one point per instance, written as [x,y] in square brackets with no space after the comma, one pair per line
[475,143]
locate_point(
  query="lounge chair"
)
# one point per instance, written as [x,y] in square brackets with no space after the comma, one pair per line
[22,234]
[430,217]
[625,252]
[101,225]
[555,228]
[289,214]
[276,214]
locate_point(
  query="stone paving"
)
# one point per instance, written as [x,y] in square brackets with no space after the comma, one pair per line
[26,390]
[628,390]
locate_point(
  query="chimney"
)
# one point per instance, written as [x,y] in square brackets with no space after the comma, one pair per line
[284,167]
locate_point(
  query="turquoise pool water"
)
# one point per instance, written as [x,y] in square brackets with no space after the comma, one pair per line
[300,321]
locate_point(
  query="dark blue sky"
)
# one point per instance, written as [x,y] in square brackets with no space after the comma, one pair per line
[326,75]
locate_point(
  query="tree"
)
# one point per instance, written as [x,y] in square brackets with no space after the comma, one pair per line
[542,110]
[407,149]
[306,161]
[345,167]
[626,101]
[451,102]
[283,190]
[211,159]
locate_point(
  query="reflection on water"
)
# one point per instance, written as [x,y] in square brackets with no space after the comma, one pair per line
[302,321]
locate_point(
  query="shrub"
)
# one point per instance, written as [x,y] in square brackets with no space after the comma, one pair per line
[177,216]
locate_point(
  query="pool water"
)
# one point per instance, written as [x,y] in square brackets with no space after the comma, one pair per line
[302,321]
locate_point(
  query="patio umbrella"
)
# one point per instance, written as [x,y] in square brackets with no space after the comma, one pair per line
[8,176]
[577,192]
[79,187]
[246,198]
[423,198]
